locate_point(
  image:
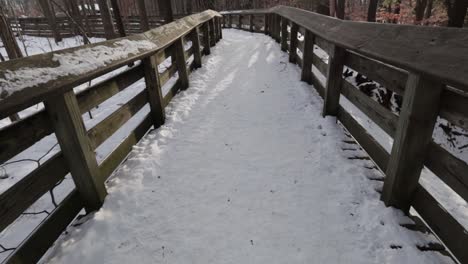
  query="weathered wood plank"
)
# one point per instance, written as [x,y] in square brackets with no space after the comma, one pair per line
[412,138]
[293,43]
[390,77]
[447,228]
[20,135]
[104,129]
[320,64]
[154,93]
[375,111]
[376,152]
[448,168]
[167,74]
[454,108]
[74,143]
[334,80]
[284,34]
[172,92]
[44,236]
[433,51]
[307,56]
[181,62]
[100,92]
[118,155]
[197,56]
[18,198]
[206,39]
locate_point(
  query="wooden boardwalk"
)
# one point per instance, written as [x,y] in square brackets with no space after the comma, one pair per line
[428,70]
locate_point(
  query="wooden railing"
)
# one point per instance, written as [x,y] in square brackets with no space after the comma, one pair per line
[63,116]
[427,66]
[92,24]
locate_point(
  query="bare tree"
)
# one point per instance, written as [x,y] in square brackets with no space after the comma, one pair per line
[372,10]
[456,11]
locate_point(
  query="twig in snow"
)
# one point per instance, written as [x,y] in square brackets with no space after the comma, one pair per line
[5,249]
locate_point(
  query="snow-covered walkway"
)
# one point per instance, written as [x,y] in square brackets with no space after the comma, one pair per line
[244,171]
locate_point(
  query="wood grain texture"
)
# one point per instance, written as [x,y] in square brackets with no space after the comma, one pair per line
[284,34]
[390,77]
[181,62]
[293,43]
[109,125]
[76,148]
[334,80]
[375,111]
[44,236]
[307,55]
[154,92]
[412,138]
[447,228]
[18,198]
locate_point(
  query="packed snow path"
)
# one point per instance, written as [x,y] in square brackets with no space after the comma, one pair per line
[245,170]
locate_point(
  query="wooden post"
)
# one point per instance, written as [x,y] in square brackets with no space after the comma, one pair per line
[153,86]
[106,19]
[197,57]
[265,26]
[66,118]
[277,28]
[418,115]
[293,43]
[251,23]
[336,57]
[206,38]
[307,55]
[181,63]
[212,33]
[284,34]
[8,39]
[220,30]
[240,22]
[230,21]
[47,10]
[215,30]
[144,24]
[118,18]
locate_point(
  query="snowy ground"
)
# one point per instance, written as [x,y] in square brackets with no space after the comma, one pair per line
[244,171]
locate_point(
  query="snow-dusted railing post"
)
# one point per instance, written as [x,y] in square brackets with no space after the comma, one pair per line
[336,57]
[266,24]
[284,33]
[277,19]
[181,62]
[206,38]
[220,28]
[230,21]
[239,22]
[251,23]
[195,38]
[153,88]
[413,134]
[306,73]
[212,33]
[293,43]
[65,115]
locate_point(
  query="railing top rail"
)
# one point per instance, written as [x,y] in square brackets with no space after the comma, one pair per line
[25,82]
[438,52]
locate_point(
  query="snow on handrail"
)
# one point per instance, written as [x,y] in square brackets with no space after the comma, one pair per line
[30,80]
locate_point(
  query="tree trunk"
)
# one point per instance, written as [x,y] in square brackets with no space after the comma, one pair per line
[332,4]
[106,19]
[419,9]
[340,9]
[372,11]
[50,15]
[428,13]
[165,7]
[456,11]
